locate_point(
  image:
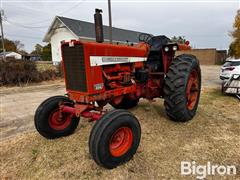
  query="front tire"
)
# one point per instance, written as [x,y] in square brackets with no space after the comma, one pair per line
[114,139]
[47,122]
[182,88]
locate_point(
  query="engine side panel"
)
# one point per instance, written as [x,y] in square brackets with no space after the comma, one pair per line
[107,55]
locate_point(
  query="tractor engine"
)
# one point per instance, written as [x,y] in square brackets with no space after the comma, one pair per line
[107,73]
[93,70]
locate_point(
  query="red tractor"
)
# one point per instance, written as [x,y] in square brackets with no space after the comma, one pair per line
[97,74]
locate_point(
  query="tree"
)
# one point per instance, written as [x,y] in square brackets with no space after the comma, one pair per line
[19,46]
[9,45]
[46,53]
[15,46]
[23,52]
[179,39]
[234,47]
[38,49]
[43,51]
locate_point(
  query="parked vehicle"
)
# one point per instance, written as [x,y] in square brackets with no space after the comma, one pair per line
[230,67]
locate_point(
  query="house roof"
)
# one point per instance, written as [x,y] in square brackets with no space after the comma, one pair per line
[83,29]
[8,52]
[1,54]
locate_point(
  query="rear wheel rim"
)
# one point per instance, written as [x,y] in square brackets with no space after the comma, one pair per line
[57,123]
[192,89]
[121,141]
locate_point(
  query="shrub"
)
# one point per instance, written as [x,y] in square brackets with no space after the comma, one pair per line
[48,74]
[18,72]
[60,69]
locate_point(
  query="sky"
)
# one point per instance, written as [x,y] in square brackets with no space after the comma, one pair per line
[205,23]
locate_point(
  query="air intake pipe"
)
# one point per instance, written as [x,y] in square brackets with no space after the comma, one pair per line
[98,26]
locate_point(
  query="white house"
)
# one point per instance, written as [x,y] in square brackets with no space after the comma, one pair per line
[11,54]
[63,28]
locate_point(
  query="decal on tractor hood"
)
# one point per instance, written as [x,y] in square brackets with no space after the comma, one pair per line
[107,60]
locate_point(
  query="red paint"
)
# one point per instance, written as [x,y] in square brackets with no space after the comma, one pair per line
[79,110]
[121,141]
[167,59]
[192,89]
[67,109]
[59,122]
[94,74]
[184,47]
[91,115]
[187,43]
[116,78]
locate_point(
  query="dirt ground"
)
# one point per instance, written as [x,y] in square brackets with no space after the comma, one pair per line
[213,135]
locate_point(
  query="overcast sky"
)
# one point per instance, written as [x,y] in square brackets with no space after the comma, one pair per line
[205,23]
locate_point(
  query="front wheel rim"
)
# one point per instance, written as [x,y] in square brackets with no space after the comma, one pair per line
[192,89]
[57,123]
[121,141]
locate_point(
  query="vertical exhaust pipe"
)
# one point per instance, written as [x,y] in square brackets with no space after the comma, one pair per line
[98,26]
[110,21]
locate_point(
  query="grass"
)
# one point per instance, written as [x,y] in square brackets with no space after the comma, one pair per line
[213,135]
[43,67]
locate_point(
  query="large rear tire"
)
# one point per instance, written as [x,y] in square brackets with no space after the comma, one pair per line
[114,138]
[47,122]
[182,88]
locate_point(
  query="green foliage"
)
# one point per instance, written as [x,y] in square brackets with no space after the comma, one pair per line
[234,47]
[34,154]
[46,53]
[37,50]
[43,51]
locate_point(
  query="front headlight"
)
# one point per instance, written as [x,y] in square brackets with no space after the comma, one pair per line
[166,49]
[175,48]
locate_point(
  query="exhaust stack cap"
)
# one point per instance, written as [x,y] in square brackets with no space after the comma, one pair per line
[98,10]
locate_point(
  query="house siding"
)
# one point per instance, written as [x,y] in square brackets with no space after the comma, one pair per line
[58,36]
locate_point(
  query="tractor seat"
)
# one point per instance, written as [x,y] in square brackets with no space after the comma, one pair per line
[157,42]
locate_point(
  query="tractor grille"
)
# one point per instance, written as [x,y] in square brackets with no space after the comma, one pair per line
[75,72]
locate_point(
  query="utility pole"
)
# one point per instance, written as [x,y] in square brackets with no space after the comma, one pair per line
[110,21]
[4,52]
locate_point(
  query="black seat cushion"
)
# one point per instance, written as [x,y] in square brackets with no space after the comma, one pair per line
[157,42]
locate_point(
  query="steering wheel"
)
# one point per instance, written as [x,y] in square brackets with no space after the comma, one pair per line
[144,37]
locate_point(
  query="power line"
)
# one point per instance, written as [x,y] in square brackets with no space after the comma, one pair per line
[20,25]
[61,13]
[25,27]
[23,36]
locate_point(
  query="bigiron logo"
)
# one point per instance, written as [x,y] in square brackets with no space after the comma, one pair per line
[202,171]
